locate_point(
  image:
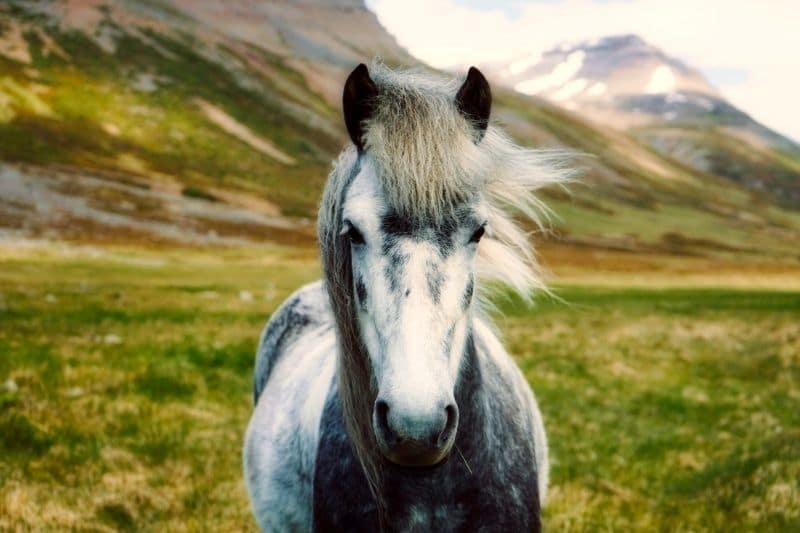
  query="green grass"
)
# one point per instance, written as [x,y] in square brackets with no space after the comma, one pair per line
[674,410]
[667,410]
[133,373]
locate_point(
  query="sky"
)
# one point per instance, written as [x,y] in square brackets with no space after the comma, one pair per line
[750,50]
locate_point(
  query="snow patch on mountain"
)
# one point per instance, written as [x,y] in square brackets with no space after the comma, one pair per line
[598,89]
[661,81]
[561,74]
[570,89]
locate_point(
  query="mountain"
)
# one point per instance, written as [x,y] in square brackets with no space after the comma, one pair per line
[602,75]
[216,122]
[626,83]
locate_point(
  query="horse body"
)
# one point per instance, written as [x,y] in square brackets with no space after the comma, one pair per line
[384,400]
[302,472]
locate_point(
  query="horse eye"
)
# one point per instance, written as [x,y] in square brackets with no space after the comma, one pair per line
[355,236]
[476,237]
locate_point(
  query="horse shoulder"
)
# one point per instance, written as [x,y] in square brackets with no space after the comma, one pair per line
[306,308]
[295,368]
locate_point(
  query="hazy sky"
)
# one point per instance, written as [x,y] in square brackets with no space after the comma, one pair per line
[749,49]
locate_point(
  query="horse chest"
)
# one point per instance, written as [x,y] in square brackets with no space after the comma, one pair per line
[455,497]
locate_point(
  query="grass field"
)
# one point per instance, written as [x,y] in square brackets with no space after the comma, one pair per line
[125,379]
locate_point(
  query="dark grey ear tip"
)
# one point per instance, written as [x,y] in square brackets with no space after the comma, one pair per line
[474,100]
[473,73]
[475,78]
[361,72]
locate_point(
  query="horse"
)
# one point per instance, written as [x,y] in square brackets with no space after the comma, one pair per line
[384,399]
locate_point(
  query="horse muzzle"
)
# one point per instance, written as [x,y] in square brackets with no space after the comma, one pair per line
[413,438]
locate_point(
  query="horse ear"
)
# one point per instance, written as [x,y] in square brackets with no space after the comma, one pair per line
[358,102]
[474,100]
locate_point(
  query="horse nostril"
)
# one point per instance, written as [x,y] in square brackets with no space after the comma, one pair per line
[451,412]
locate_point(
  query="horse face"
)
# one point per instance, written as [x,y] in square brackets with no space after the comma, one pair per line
[413,288]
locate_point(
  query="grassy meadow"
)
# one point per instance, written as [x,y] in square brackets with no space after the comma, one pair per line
[672,399]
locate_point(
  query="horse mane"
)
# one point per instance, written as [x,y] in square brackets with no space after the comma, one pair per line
[428,159]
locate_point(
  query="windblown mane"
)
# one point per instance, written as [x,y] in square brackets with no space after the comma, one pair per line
[429,159]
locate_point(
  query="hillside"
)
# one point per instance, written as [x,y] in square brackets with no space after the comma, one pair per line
[149,114]
[204,122]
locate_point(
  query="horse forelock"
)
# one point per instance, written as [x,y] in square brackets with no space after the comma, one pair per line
[423,149]
[429,160]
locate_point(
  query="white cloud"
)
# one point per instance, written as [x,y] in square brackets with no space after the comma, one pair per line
[759,38]
[526,62]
